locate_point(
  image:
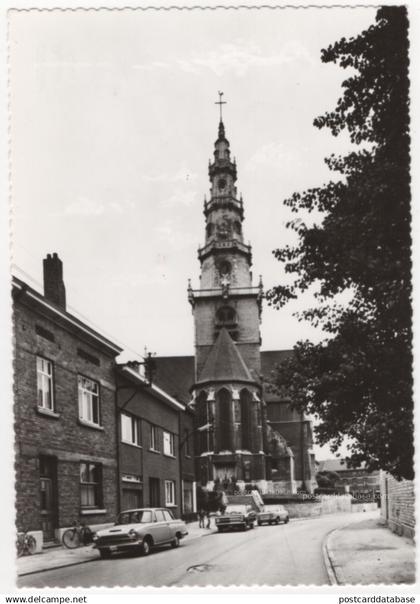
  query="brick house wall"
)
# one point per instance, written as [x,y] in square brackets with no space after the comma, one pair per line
[398,504]
[153,408]
[60,438]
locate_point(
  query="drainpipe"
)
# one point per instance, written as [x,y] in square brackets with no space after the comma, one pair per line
[181,484]
[302,450]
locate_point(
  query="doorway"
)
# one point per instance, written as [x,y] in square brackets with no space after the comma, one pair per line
[154,492]
[48,496]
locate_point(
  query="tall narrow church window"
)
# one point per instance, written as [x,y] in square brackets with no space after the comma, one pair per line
[246,419]
[201,421]
[210,229]
[225,419]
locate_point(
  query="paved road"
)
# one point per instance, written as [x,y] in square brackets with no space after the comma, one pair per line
[269,555]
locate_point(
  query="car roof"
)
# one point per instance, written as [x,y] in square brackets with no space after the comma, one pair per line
[142,510]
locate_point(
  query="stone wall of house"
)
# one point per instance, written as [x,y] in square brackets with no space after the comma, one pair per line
[397,504]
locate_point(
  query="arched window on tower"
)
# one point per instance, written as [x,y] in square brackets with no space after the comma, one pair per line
[245,398]
[224,403]
[226,317]
[225,268]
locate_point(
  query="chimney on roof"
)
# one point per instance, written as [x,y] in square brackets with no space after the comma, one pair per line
[54,289]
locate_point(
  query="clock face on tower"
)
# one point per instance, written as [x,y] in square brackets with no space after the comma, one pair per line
[221,184]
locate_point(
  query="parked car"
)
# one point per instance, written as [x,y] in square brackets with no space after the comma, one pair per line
[236,517]
[273,515]
[140,530]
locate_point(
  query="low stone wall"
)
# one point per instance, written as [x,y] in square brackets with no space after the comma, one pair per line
[312,507]
[364,507]
[397,504]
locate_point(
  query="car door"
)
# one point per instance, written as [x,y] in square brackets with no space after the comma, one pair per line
[161,532]
[172,523]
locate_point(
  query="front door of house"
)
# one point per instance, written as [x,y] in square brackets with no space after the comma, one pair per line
[154,492]
[48,496]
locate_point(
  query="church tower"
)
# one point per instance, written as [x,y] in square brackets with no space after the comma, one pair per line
[227,313]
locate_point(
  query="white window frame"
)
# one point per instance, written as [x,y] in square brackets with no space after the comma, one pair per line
[91,488]
[130,429]
[168,444]
[154,438]
[170,493]
[88,398]
[45,383]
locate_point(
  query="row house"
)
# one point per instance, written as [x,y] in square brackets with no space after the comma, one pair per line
[156,462]
[92,436]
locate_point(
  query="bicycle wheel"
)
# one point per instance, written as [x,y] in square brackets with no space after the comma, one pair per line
[19,547]
[71,538]
[30,544]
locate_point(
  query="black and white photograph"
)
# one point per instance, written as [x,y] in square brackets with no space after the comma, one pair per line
[211,296]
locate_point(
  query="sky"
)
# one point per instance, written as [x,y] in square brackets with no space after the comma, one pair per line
[113,123]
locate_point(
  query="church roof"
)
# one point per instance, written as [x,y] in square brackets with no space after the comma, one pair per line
[175,374]
[224,362]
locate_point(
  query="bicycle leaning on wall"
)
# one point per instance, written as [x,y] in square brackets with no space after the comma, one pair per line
[25,544]
[77,536]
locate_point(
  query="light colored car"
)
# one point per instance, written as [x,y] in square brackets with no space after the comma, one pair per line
[140,530]
[236,516]
[273,515]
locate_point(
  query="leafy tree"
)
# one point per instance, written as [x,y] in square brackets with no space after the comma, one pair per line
[358,381]
[327,479]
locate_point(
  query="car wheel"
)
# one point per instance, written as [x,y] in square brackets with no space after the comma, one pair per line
[220,529]
[146,547]
[175,541]
[104,554]
[286,520]
[277,520]
[243,527]
[259,523]
[251,525]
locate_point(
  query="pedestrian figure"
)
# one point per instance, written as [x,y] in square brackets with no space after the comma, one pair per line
[201,515]
[208,519]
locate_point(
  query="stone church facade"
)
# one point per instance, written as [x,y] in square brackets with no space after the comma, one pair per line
[239,427]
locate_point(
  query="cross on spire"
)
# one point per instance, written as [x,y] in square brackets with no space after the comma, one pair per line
[220,103]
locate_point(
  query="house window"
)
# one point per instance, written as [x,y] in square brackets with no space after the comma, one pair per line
[169,492]
[44,374]
[90,485]
[130,429]
[168,444]
[154,438]
[89,400]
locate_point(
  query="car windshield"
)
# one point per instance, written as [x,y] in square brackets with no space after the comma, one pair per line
[236,509]
[135,517]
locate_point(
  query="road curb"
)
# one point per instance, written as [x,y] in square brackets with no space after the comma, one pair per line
[334,570]
[76,563]
[66,565]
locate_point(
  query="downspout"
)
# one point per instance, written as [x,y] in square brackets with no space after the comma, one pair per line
[181,484]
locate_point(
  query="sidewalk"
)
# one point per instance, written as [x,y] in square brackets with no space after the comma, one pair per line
[57,557]
[367,552]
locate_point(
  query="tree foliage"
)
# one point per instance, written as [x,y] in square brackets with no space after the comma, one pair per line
[359,381]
